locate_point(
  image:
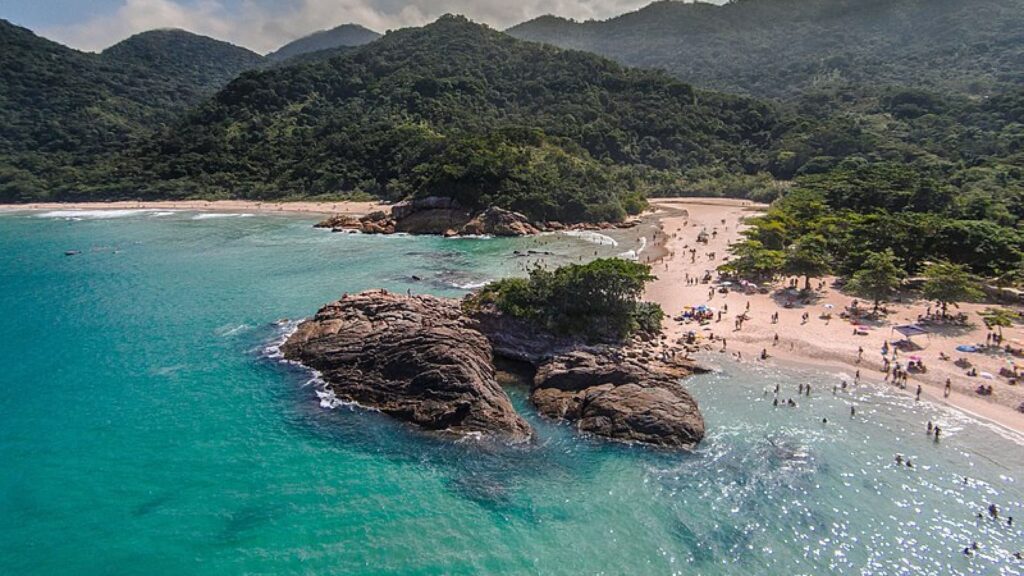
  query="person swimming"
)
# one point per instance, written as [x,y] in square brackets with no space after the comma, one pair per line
[993,511]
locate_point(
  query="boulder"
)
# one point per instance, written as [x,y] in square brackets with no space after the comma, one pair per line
[496,221]
[414,358]
[611,395]
[431,221]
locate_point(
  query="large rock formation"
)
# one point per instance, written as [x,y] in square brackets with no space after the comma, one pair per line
[434,215]
[423,360]
[413,358]
[617,397]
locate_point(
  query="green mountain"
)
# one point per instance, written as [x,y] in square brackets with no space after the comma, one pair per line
[346,35]
[201,64]
[456,109]
[785,48]
[61,109]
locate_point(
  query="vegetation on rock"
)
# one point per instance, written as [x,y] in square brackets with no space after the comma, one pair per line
[598,301]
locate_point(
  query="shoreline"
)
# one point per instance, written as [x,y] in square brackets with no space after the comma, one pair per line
[817,342]
[298,207]
[676,221]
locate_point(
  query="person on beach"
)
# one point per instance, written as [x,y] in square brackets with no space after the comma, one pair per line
[937,432]
[918,395]
[807,390]
[993,511]
[764,354]
[853,411]
[929,427]
[949,388]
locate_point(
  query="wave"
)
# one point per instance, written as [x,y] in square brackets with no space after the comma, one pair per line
[212,215]
[592,237]
[225,331]
[91,214]
[635,253]
[470,285]
[471,237]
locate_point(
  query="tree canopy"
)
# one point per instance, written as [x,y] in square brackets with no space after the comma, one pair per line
[599,300]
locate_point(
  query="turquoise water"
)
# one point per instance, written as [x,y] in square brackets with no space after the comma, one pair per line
[144,430]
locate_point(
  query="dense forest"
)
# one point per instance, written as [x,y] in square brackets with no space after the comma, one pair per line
[904,120]
[452,108]
[787,48]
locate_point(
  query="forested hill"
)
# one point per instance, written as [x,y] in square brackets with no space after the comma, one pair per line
[346,35]
[784,48]
[455,108]
[202,64]
[56,100]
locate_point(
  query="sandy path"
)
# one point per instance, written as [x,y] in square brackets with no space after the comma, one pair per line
[354,208]
[829,344]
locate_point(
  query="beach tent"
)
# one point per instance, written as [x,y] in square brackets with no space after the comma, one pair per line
[910,330]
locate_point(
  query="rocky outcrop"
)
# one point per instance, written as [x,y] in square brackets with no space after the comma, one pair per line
[444,216]
[413,358]
[496,221]
[432,221]
[423,360]
[616,397]
[378,222]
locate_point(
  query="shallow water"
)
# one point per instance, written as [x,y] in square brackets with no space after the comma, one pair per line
[144,430]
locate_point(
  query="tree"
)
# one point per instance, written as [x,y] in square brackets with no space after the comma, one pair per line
[999,318]
[599,300]
[808,257]
[948,283]
[752,260]
[878,278]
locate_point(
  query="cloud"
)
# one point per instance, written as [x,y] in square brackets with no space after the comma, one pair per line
[264,25]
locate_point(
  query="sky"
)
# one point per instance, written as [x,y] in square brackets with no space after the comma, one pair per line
[264,25]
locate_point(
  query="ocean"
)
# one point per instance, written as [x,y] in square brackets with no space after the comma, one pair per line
[147,428]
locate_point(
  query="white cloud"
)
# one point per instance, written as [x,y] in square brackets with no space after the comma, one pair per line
[264,26]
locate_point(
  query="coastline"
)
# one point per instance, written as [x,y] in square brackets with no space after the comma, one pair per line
[299,207]
[827,344]
[678,221]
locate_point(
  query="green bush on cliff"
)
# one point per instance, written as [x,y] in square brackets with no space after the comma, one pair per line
[599,300]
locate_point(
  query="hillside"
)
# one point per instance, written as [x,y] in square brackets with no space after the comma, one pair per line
[346,35]
[202,64]
[456,109]
[785,48]
[61,109]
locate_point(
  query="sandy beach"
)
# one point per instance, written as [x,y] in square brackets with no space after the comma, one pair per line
[353,208]
[826,343]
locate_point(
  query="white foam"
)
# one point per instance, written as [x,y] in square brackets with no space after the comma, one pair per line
[470,237]
[91,214]
[635,254]
[592,237]
[163,213]
[212,215]
[470,285]
[225,331]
